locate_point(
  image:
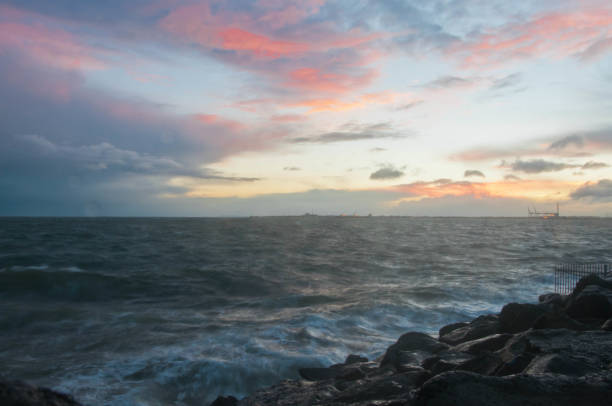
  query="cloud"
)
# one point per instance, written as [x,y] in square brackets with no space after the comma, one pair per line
[388,172]
[596,49]
[576,140]
[445,82]
[539,166]
[409,106]
[378,149]
[352,132]
[600,191]
[505,82]
[291,168]
[549,34]
[511,177]
[581,144]
[594,165]
[471,173]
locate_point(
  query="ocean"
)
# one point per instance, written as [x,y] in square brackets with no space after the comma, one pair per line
[176,311]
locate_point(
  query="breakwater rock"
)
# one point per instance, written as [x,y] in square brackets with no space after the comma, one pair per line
[556,352]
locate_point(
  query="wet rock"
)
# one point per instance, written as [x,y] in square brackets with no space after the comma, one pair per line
[450,327]
[411,348]
[517,317]
[591,303]
[319,374]
[470,389]
[292,393]
[225,401]
[558,320]
[386,388]
[557,364]
[591,280]
[354,359]
[484,364]
[17,393]
[480,327]
[554,299]
[490,343]
[591,349]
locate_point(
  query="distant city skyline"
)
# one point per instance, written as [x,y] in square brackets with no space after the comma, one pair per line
[274,107]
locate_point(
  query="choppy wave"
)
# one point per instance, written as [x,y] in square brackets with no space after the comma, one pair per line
[177,311]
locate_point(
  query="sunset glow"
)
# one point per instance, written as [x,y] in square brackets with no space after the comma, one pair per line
[238,108]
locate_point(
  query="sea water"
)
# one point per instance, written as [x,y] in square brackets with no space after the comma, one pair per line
[158,311]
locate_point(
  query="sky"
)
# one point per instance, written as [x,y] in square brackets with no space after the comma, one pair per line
[282,107]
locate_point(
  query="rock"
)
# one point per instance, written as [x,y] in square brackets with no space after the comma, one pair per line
[225,401]
[386,388]
[17,393]
[353,359]
[591,303]
[558,320]
[450,327]
[470,389]
[445,361]
[554,299]
[557,364]
[291,393]
[484,364]
[319,374]
[411,348]
[591,349]
[490,343]
[480,327]
[517,317]
[607,325]
[591,280]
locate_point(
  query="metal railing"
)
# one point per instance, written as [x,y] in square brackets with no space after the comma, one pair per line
[567,275]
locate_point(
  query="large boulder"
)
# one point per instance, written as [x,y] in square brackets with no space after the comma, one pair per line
[482,326]
[558,319]
[469,389]
[591,302]
[17,393]
[589,349]
[411,348]
[517,317]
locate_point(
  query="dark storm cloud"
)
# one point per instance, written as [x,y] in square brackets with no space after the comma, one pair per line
[352,132]
[388,172]
[470,173]
[63,142]
[600,191]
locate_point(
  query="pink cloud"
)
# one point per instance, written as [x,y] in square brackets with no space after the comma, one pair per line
[274,41]
[318,80]
[47,46]
[554,34]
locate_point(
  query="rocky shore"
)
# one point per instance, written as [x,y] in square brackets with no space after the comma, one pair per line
[556,352]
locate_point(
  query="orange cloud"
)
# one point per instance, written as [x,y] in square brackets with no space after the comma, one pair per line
[318,80]
[555,34]
[533,189]
[331,104]
[215,120]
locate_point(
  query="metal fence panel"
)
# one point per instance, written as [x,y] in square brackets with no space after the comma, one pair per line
[567,275]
